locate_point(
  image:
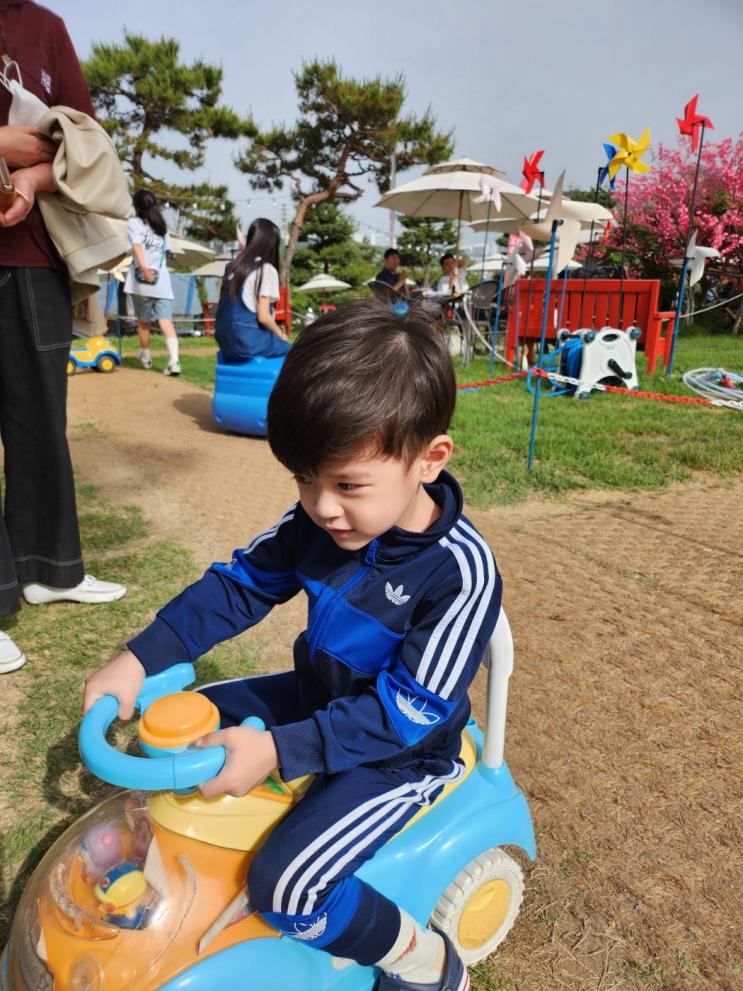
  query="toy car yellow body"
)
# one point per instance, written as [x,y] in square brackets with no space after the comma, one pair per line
[94,352]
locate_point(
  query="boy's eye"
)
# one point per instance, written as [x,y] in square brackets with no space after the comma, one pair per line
[347,486]
[301,480]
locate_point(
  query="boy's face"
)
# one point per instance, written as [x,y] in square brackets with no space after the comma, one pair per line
[448,266]
[362,499]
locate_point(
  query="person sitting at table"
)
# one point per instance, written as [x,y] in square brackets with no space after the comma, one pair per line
[389,275]
[454,279]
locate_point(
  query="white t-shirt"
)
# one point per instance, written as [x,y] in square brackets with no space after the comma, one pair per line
[460,282]
[269,285]
[140,232]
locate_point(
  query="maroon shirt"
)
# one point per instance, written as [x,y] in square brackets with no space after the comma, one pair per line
[37,40]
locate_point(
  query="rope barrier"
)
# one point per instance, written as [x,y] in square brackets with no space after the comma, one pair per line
[471,386]
[553,377]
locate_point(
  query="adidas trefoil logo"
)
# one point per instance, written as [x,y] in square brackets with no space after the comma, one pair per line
[395,594]
[312,931]
[406,705]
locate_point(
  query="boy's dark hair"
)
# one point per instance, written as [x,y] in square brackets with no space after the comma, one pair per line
[361,380]
[447,255]
[389,252]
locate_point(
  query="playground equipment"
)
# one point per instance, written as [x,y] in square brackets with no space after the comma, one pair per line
[148,889]
[96,353]
[241,394]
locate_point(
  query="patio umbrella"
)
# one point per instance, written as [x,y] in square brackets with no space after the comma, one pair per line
[213,268]
[464,165]
[322,282]
[450,195]
[511,225]
[187,253]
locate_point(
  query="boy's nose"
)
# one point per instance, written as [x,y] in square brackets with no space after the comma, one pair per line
[327,507]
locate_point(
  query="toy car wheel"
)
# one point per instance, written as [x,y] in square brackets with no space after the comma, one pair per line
[71,367]
[105,363]
[480,906]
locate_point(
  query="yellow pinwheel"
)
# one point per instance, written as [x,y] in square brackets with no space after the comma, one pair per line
[628,153]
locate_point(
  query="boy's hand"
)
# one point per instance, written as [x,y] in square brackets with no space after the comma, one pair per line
[251,756]
[122,677]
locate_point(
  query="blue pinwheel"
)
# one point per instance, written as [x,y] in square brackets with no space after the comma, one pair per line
[611,151]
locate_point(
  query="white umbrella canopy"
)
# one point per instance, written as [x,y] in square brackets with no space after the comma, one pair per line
[494,263]
[511,225]
[543,262]
[187,253]
[323,283]
[214,268]
[451,195]
[464,165]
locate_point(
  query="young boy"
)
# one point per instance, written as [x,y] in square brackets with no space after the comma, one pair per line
[403,597]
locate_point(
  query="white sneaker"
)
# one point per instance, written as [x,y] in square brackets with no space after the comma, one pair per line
[11,657]
[144,362]
[173,369]
[90,589]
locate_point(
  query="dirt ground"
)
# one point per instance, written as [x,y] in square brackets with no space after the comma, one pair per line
[625,703]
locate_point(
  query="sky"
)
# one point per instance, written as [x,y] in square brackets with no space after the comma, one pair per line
[510,78]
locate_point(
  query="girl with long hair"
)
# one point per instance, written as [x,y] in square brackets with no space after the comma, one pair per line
[148,280]
[245,324]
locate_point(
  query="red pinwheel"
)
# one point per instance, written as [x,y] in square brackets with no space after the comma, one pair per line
[692,121]
[532,173]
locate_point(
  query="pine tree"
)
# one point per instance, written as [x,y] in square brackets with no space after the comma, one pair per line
[144,97]
[421,242]
[347,129]
[328,246]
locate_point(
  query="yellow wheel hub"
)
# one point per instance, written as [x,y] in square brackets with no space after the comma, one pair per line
[107,364]
[70,367]
[484,914]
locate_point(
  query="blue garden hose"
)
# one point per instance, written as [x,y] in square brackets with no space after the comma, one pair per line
[564,360]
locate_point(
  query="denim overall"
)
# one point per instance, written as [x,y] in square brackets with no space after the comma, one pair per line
[239,335]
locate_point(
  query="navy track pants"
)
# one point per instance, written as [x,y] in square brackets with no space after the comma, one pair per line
[303,881]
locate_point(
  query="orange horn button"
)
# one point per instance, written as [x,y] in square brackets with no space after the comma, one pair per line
[178,720]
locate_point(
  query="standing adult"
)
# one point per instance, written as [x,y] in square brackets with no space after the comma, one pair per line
[39,534]
[148,279]
[389,274]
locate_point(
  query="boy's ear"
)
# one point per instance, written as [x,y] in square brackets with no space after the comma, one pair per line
[435,456]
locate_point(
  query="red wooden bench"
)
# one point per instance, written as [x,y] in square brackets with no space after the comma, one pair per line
[600,309]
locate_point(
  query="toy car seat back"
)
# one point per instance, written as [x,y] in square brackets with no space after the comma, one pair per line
[241,394]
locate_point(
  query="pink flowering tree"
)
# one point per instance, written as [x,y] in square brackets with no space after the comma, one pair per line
[658,214]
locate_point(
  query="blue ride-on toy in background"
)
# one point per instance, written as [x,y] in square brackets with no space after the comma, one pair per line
[147,891]
[241,394]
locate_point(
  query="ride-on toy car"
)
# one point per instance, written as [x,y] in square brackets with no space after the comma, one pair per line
[241,394]
[147,891]
[95,352]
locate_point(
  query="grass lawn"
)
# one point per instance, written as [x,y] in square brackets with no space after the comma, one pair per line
[130,342]
[44,787]
[609,441]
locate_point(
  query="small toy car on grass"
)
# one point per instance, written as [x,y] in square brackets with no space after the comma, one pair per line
[95,352]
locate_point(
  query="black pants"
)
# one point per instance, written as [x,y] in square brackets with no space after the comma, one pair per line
[39,534]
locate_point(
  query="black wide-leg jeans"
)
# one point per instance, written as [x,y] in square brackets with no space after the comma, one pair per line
[39,533]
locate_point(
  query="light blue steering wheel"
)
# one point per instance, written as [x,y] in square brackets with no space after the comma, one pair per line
[167,773]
